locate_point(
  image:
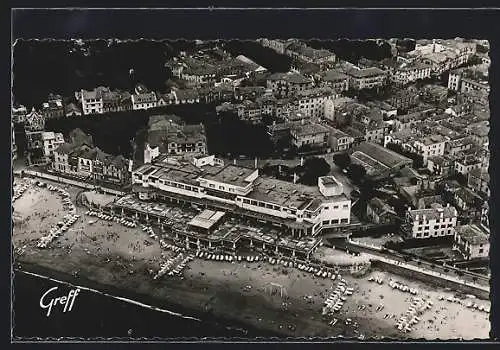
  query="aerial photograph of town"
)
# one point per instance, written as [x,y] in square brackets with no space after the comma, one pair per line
[271,188]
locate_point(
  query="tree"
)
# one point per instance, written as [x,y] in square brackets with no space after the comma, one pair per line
[356,172]
[342,160]
[313,168]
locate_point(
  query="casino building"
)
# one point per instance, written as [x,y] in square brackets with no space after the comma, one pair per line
[206,181]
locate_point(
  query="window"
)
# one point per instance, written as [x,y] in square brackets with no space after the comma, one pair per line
[335,207]
[426,228]
[335,221]
[325,222]
[345,206]
[343,221]
[481,251]
[419,228]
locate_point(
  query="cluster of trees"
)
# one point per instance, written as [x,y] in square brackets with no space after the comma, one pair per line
[312,169]
[63,67]
[355,171]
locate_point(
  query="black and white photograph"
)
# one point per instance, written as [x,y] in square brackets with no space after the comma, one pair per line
[267,188]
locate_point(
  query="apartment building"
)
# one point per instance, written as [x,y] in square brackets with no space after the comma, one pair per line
[437,221]
[410,73]
[300,210]
[473,241]
[313,102]
[368,78]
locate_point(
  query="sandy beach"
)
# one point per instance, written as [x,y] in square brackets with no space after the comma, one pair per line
[126,259]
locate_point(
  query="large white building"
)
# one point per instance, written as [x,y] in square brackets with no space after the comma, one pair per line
[301,210]
[314,102]
[437,221]
[92,101]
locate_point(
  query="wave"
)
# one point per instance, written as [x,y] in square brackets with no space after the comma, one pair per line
[130,301]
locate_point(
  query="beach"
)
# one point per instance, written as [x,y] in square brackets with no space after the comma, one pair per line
[124,260]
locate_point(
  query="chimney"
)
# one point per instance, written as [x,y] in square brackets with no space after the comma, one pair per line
[416,216]
[301,161]
[294,178]
[302,121]
[255,163]
[234,161]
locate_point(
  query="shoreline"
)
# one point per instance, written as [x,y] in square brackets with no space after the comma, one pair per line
[145,301]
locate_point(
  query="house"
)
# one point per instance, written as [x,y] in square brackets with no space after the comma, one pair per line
[334,79]
[380,212]
[468,203]
[90,163]
[116,101]
[310,134]
[72,110]
[470,79]
[186,96]
[40,146]
[466,163]
[418,143]
[167,135]
[473,241]
[373,127]
[277,45]
[302,52]
[91,101]
[437,221]
[248,92]
[440,165]
[53,108]
[288,84]
[479,181]
[340,141]
[368,78]
[144,101]
[34,121]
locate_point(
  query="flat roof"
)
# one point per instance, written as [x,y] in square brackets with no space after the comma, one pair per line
[206,219]
[284,193]
[231,174]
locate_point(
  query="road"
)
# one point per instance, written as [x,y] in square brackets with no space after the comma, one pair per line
[419,264]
